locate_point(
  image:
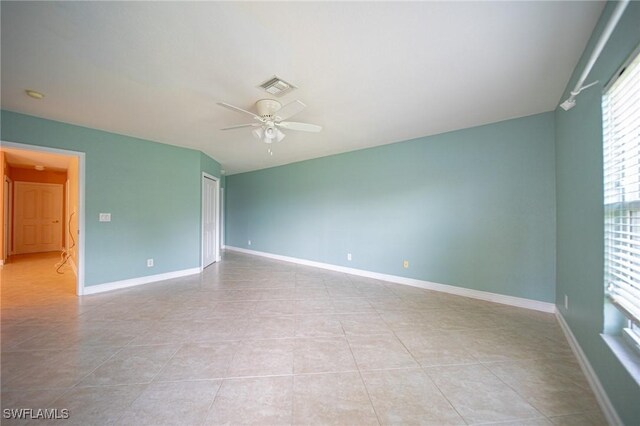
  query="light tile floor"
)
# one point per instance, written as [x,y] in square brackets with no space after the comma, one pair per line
[255,341]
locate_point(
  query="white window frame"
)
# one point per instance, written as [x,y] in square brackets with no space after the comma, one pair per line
[622,295]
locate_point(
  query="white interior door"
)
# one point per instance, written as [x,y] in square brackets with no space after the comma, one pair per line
[209,221]
[37,217]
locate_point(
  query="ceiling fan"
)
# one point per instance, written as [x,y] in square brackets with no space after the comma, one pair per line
[270,119]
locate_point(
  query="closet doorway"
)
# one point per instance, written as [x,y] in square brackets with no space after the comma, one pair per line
[210,220]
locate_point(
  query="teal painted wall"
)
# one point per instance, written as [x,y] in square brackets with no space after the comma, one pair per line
[580,214]
[473,208]
[152,190]
[209,165]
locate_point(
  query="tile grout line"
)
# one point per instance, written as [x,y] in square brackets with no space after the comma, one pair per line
[213,400]
[444,396]
[524,398]
[515,391]
[361,377]
[75,385]
[429,377]
[98,366]
[147,385]
[293,395]
[161,369]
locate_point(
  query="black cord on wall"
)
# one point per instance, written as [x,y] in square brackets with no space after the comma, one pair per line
[66,253]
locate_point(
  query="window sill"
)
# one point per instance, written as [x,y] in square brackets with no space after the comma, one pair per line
[627,355]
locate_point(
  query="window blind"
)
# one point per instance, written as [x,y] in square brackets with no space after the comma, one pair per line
[621,135]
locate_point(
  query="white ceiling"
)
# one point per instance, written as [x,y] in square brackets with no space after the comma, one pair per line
[370,73]
[29,159]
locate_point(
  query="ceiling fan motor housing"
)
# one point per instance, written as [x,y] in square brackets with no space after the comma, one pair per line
[267,108]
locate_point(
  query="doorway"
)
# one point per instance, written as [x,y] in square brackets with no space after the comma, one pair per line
[43,210]
[210,220]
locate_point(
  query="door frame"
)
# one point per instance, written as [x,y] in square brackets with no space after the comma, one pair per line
[7,206]
[222,218]
[81,201]
[216,181]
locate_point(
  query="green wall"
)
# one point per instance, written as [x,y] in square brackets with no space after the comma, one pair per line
[473,208]
[580,214]
[152,190]
[210,166]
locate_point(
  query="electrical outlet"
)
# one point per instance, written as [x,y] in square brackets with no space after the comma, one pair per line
[349,257]
[249,242]
[405,264]
[566,302]
[149,263]
[104,217]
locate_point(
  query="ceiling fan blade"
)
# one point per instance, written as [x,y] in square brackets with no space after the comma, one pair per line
[239,126]
[236,109]
[290,109]
[305,127]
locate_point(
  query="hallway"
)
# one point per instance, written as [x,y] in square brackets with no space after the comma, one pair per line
[30,281]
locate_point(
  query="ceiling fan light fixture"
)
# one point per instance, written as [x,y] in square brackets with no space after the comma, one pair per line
[270,133]
[271,115]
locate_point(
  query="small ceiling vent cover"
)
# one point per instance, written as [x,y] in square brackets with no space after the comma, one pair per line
[276,86]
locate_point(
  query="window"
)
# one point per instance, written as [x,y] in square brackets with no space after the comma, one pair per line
[621,135]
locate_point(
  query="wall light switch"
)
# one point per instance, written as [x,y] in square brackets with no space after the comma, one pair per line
[349,257]
[249,242]
[105,217]
[405,264]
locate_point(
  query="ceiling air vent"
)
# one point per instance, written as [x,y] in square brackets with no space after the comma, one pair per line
[276,86]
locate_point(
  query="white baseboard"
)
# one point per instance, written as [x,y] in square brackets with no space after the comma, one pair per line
[603,400]
[116,285]
[460,291]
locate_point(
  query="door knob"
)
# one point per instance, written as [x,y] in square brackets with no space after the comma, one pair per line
[55,221]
